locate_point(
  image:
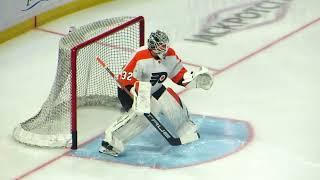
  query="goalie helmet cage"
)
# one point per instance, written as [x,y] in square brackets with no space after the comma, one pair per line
[80,80]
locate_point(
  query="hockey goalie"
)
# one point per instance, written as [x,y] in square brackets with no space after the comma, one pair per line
[142,91]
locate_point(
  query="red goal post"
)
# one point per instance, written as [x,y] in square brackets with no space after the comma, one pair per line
[80,81]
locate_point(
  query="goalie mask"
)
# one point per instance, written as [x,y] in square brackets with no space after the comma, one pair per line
[158,42]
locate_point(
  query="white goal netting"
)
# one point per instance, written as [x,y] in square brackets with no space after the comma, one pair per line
[79,75]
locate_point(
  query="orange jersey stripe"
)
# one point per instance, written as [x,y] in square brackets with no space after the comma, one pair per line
[171,52]
[177,78]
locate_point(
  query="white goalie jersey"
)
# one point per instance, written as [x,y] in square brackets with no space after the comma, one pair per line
[143,67]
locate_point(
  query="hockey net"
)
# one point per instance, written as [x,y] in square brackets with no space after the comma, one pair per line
[80,80]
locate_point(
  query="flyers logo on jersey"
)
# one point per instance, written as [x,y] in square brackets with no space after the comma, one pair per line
[158,77]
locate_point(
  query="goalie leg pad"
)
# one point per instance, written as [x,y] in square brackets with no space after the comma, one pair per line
[109,133]
[133,128]
[141,97]
[188,127]
[188,138]
[176,112]
[128,126]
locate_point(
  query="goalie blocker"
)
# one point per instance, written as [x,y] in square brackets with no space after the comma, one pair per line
[150,67]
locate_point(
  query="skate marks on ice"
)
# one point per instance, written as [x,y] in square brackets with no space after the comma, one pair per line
[220,137]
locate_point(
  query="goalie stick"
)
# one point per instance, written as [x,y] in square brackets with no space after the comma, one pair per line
[152,119]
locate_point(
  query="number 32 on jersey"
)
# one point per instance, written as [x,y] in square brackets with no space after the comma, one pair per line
[126,75]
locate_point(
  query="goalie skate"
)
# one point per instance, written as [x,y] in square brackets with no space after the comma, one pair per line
[106,148]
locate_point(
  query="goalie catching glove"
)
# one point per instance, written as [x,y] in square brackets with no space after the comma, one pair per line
[141,93]
[200,79]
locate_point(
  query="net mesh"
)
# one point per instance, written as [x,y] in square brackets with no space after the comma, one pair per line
[95,87]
